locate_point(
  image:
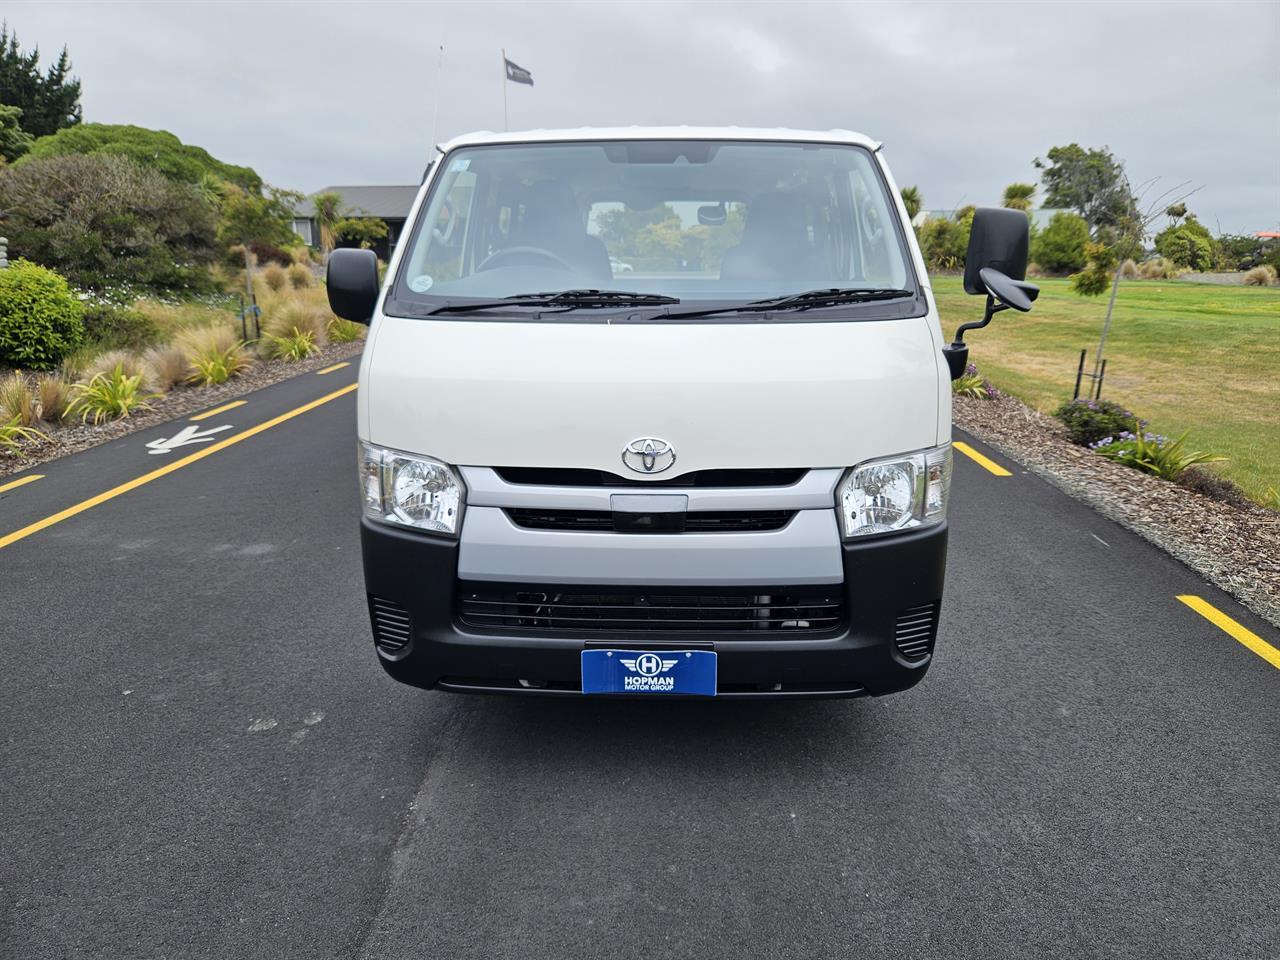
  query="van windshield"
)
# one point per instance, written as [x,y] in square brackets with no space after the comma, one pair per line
[702,221]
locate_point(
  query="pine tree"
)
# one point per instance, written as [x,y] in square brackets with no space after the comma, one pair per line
[48,102]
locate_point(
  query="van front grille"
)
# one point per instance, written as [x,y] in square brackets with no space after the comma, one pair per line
[573,477]
[699,521]
[752,612]
[392,630]
[915,631]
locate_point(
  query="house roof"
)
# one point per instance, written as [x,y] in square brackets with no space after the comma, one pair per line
[387,201]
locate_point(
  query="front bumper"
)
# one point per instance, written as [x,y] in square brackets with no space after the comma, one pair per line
[883,578]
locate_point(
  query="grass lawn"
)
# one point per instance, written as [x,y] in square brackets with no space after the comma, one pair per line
[1186,356]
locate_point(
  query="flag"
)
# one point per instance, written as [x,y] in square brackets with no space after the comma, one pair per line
[517,74]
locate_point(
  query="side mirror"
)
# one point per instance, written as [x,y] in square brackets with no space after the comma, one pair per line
[1000,239]
[995,266]
[352,281]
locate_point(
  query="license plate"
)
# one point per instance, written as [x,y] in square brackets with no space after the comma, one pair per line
[644,672]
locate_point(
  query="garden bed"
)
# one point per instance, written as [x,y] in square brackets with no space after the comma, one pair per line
[1236,546]
[73,436]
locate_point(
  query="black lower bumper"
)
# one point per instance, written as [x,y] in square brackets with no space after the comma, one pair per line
[884,578]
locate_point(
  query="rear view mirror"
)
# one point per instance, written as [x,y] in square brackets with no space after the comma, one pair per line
[999,239]
[352,281]
[713,215]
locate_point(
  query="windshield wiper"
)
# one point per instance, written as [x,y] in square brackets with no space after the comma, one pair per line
[827,297]
[568,299]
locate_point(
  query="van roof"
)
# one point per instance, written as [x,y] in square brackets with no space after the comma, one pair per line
[662,133]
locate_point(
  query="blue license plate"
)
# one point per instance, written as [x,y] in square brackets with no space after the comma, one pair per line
[644,672]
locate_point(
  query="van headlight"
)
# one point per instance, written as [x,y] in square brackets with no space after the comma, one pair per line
[410,490]
[896,493]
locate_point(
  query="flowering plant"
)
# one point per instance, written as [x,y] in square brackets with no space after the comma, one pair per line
[1089,421]
[1152,453]
[973,384]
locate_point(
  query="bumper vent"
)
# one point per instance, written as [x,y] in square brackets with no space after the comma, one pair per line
[391,628]
[784,612]
[915,630]
[702,521]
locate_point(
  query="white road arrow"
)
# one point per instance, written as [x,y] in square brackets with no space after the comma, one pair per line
[183,437]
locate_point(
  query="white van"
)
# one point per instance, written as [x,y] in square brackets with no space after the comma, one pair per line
[720,469]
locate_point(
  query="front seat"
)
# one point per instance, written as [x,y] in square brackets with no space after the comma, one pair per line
[775,243]
[553,222]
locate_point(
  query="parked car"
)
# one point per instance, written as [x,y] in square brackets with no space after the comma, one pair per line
[725,483]
[619,266]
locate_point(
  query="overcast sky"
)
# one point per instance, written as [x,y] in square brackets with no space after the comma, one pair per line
[964,96]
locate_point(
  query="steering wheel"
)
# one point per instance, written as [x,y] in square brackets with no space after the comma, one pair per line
[501,257]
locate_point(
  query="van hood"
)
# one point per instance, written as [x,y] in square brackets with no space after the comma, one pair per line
[722,395]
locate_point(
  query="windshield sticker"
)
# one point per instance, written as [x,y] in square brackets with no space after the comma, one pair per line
[421,284]
[460,164]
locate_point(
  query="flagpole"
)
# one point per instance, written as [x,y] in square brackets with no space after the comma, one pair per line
[435,113]
[505,124]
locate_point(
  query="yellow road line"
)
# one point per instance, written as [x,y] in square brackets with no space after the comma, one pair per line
[222,409]
[21,482]
[1242,633]
[984,462]
[336,366]
[168,468]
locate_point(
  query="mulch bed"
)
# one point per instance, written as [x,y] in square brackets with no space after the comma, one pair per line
[72,437]
[1234,546]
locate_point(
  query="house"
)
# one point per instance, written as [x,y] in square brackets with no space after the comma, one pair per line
[389,204]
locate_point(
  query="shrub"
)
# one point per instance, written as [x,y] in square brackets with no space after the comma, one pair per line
[13,433]
[263,253]
[300,276]
[1059,247]
[269,253]
[1263,276]
[1156,455]
[111,327]
[108,396]
[213,354]
[106,222]
[170,318]
[53,396]
[974,385]
[345,331]
[166,366]
[130,363]
[287,315]
[1188,244]
[18,401]
[291,346]
[945,241]
[1214,486]
[158,149]
[1129,269]
[1158,268]
[301,253]
[40,319]
[1088,421]
[273,276]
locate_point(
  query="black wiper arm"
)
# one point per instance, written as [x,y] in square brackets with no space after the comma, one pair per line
[607,297]
[826,297]
[802,301]
[568,299]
